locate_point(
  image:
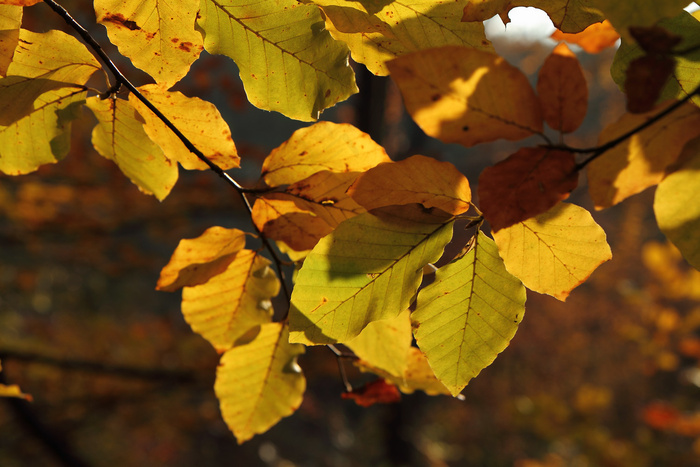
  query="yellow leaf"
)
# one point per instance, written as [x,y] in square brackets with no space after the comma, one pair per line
[466,96]
[10,22]
[197,260]
[384,344]
[120,137]
[21,3]
[157,35]
[12,390]
[378,32]
[200,121]
[259,382]
[418,179]
[640,161]
[325,194]
[554,252]
[638,12]
[231,303]
[43,136]
[323,146]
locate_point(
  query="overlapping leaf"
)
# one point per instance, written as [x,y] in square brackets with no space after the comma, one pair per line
[379,31]
[120,137]
[567,15]
[368,269]
[323,146]
[325,194]
[10,22]
[288,61]
[259,382]
[622,15]
[554,252]
[562,90]
[469,314]
[418,179]
[640,161]
[466,96]
[43,136]
[528,183]
[676,207]
[231,303]
[594,39]
[157,35]
[197,260]
[198,120]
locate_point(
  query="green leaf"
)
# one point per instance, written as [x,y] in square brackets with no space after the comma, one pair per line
[41,137]
[157,35]
[377,33]
[623,14]
[259,382]
[368,269]
[469,314]
[120,137]
[676,207]
[288,62]
[10,22]
[17,95]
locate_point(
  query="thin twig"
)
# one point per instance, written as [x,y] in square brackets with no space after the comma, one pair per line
[341,356]
[120,80]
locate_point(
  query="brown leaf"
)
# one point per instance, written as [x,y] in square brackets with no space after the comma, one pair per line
[646,77]
[594,39]
[562,90]
[376,392]
[526,184]
[654,39]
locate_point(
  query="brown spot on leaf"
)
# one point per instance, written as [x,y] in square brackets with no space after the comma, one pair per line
[186,46]
[328,93]
[120,20]
[435,97]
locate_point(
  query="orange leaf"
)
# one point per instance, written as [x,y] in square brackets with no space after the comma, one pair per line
[562,90]
[645,78]
[376,392]
[660,415]
[594,39]
[466,96]
[526,184]
[324,194]
[418,179]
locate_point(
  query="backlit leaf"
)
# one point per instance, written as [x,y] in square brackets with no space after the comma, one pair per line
[259,382]
[229,304]
[638,12]
[197,260]
[676,207]
[20,2]
[120,137]
[323,146]
[288,61]
[325,194]
[528,183]
[17,95]
[43,136]
[418,179]
[375,392]
[376,32]
[640,161]
[554,252]
[646,78]
[200,121]
[384,344]
[466,96]
[562,90]
[10,22]
[157,35]
[567,15]
[12,390]
[594,39]
[468,315]
[367,269]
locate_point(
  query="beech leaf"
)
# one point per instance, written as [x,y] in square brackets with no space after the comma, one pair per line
[367,269]
[375,392]
[554,252]
[622,15]
[10,22]
[259,382]
[468,315]
[594,39]
[466,96]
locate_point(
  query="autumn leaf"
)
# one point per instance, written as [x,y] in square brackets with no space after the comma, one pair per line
[120,137]
[676,207]
[10,22]
[288,61]
[554,252]
[324,146]
[259,382]
[527,183]
[646,77]
[466,96]
[468,315]
[562,90]
[197,260]
[367,269]
[378,32]
[622,15]
[21,3]
[229,304]
[157,35]
[418,179]
[641,160]
[198,120]
[594,39]
[13,390]
[375,392]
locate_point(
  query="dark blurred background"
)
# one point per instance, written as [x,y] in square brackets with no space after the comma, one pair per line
[609,378]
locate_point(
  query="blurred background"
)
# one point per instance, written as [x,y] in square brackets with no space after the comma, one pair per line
[609,378]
